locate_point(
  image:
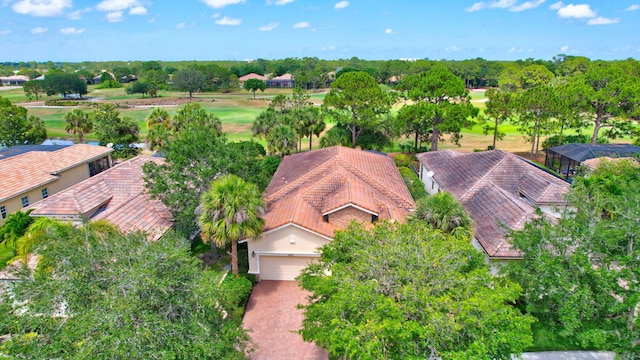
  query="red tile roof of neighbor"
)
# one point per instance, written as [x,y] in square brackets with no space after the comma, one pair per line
[283,77]
[33,169]
[497,189]
[252,76]
[117,195]
[308,185]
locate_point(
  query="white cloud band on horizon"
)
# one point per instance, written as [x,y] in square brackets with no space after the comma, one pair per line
[218,4]
[41,8]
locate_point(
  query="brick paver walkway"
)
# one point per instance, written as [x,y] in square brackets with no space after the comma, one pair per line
[272,319]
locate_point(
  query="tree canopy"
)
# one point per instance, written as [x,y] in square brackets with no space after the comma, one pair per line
[64,84]
[406,292]
[580,274]
[16,128]
[357,101]
[110,128]
[78,122]
[100,294]
[190,81]
[253,85]
[441,103]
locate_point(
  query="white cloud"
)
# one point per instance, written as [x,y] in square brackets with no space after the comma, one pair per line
[215,16]
[5,32]
[181,25]
[476,6]
[633,7]
[138,10]
[269,27]
[556,6]
[217,4]
[115,16]
[76,15]
[505,4]
[225,20]
[301,25]
[390,32]
[71,31]
[602,21]
[341,5]
[580,11]
[39,30]
[564,48]
[41,7]
[452,49]
[527,5]
[279,2]
[117,5]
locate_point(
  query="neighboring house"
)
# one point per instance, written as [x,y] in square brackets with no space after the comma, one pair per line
[282,81]
[315,193]
[565,159]
[500,191]
[29,173]
[117,195]
[13,80]
[242,79]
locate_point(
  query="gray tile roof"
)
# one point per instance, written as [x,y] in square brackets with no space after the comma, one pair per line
[499,190]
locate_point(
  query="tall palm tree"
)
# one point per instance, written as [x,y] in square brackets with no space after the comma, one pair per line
[78,122]
[282,140]
[444,213]
[159,124]
[229,211]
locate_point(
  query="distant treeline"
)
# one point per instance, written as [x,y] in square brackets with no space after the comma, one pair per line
[309,72]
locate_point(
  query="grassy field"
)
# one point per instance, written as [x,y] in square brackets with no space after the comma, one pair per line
[237,111]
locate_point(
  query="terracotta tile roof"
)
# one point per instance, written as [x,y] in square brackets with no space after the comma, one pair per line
[118,195]
[252,76]
[283,77]
[498,189]
[308,185]
[33,169]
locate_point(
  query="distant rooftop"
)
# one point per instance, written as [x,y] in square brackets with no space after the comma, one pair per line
[582,152]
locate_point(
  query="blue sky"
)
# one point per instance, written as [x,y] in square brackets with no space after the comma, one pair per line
[79,30]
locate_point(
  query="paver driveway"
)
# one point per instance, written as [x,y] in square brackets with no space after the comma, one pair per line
[272,318]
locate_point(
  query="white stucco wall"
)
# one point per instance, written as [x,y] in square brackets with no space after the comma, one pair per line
[430,184]
[287,240]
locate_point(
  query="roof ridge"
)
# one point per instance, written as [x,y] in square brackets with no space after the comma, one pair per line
[474,188]
[288,187]
[375,184]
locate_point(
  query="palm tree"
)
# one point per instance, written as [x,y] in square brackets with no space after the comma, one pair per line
[78,122]
[444,213]
[159,124]
[229,211]
[282,140]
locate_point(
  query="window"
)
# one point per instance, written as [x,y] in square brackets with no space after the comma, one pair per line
[98,166]
[25,201]
[45,193]
[3,212]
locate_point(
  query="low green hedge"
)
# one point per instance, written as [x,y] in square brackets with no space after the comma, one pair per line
[415,186]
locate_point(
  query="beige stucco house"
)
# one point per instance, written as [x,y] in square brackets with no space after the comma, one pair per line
[501,191]
[33,172]
[315,193]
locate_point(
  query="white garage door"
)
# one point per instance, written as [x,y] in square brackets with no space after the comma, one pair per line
[282,267]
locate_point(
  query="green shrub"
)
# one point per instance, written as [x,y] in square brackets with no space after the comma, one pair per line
[234,294]
[401,160]
[415,186]
[554,140]
[61,103]
[6,254]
